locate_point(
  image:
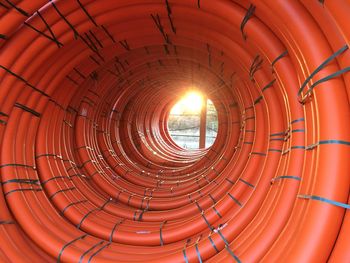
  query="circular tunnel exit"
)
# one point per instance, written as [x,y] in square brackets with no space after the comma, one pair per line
[193,121]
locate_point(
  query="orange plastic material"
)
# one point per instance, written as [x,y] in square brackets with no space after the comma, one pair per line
[90,173]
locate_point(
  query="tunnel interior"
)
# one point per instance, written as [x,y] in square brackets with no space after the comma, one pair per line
[90,173]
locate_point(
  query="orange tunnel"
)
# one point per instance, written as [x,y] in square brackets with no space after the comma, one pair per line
[90,173]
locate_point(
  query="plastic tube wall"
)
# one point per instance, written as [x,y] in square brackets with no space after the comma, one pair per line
[90,174]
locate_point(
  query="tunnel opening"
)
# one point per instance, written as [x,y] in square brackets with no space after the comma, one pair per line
[188,117]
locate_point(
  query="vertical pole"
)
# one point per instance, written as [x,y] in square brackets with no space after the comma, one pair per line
[203,124]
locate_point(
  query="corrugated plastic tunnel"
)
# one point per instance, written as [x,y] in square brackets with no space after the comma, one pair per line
[90,173]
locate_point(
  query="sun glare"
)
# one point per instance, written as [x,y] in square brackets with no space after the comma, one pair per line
[191,103]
